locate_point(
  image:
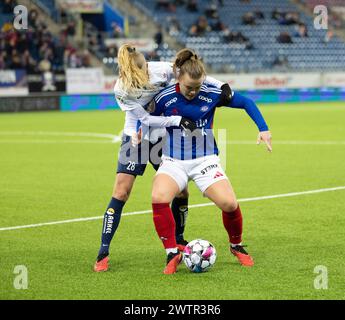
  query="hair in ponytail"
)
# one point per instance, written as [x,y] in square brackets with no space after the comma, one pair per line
[187,61]
[132,71]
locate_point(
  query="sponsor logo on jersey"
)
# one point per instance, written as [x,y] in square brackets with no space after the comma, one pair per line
[217,175]
[208,100]
[208,168]
[201,123]
[204,108]
[173,100]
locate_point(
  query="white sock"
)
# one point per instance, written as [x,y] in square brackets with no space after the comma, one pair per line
[169,250]
[234,245]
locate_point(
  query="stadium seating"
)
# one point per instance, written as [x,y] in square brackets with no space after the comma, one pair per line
[38,47]
[49,6]
[307,53]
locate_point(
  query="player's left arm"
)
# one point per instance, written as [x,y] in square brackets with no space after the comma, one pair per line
[242,102]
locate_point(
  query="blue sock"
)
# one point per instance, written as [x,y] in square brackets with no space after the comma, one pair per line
[110,223]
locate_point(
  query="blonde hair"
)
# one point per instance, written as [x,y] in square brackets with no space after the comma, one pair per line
[132,71]
[187,61]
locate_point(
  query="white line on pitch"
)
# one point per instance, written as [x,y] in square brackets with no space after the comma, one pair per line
[292,142]
[116,139]
[57,133]
[283,195]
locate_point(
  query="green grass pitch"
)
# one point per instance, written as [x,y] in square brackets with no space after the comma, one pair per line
[46,176]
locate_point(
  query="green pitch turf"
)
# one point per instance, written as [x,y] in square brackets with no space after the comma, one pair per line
[46,176]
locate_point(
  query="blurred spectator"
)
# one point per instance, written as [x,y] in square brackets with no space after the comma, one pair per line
[301,31]
[280,62]
[192,5]
[153,56]
[28,62]
[85,59]
[93,43]
[248,19]
[70,29]
[174,26]
[112,51]
[178,3]
[166,5]
[200,27]
[15,61]
[33,18]
[236,37]
[212,11]
[117,31]
[72,60]
[284,37]
[259,14]
[218,25]
[3,64]
[276,14]
[8,6]
[328,36]
[286,18]
[162,4]
[158,37]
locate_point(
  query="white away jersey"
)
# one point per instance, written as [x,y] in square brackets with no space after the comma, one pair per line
[160,75]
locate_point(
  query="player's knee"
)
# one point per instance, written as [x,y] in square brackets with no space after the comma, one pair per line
[159,197]
[229,206]
[122,193]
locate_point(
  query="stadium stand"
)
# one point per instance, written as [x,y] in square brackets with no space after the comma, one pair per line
[247,38]
[232,35]
[36,47]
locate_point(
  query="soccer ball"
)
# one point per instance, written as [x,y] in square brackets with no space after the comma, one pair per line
[199,255]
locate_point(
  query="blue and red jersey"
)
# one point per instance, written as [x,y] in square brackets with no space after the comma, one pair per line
[201,110]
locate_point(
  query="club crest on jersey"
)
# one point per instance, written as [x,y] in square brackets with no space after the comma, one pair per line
[174,111]
[204,108]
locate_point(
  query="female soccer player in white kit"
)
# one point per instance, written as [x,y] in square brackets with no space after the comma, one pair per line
[139,81]
[195,156]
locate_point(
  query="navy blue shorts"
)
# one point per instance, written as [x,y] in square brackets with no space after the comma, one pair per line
[133,160]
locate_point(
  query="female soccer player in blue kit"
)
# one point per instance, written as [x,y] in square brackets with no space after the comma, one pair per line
[138,83]
[195,156]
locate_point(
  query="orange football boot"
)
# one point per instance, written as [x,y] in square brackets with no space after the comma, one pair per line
[173,261]
[101,265]
[242,255]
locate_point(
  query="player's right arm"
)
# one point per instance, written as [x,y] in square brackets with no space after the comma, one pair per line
[134,108]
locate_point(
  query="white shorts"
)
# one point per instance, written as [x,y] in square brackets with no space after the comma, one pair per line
[204,171]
